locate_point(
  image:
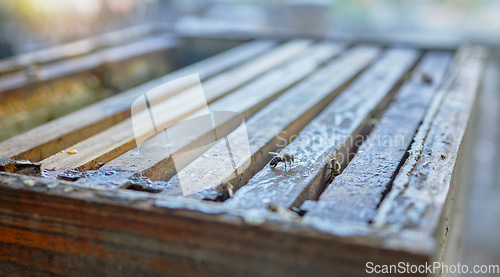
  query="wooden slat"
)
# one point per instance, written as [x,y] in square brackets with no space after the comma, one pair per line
[285,116]
[111,55]
[45,140]
[158,165]
[120,138]
[419,192]
[334,133]
[74,49]
[354,195]
[92,61]
[221,84]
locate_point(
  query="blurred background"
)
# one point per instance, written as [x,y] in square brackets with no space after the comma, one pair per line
[29,25]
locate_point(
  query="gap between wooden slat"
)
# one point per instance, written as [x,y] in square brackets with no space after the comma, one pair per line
[334,133]
[416,200]
[155,160]
[120,138]
[47,139]
[287,115]
[354,195]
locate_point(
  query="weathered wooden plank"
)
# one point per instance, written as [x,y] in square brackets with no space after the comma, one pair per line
[39,74]
[42,93]
[75,49]
[54,226]
[110,55]
[156,163]
[334,133]
[230,80]
[91,61]
[452,226]
[120,138]
[419,192]
[45,140]
[285,116]
[354,195]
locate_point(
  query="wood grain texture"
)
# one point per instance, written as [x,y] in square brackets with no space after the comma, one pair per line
[56,228]
[334,133]
[45,140]
[157,164]
[122,137]
[418,195]
[281,119]
[355,194]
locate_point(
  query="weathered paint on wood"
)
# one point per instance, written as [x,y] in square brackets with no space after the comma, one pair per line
[46,140]
[246,101]
[281,119]
[121,137]
[334,133]
[355,194]
[416,200]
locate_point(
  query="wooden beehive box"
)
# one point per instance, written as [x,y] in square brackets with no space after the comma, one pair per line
[395,118]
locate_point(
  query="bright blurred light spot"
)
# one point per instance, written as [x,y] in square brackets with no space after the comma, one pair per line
[56,7]
[123,6]
[87,7]
[51,6]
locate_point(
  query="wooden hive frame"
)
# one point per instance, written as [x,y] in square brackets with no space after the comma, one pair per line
[124,213]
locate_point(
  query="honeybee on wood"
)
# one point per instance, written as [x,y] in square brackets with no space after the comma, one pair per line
[283,212]
[225,191]
[335,167]
[426,78]
[281,158]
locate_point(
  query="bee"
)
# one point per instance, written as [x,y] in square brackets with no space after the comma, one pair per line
[225,191]
[426,78]
[281,158]
[335,167]
[283,212]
